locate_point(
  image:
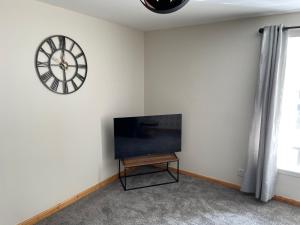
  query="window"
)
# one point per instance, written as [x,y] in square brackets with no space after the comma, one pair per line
[289,132]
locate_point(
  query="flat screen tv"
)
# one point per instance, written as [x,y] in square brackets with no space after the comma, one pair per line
[146,135]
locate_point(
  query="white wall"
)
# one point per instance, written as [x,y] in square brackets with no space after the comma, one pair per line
[54,146]
[209,73]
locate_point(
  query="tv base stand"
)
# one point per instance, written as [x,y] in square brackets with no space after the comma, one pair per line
[149,160]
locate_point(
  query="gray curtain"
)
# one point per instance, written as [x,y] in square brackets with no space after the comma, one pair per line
[261,171]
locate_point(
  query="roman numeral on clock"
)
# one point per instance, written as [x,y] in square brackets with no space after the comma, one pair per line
[54,84]
[65,88]
[72,46]
[80,77]
[42,64]
[82,66]
[45,53]
[62,42]
[79,55]
[46,76]
[74,85]
[51,45]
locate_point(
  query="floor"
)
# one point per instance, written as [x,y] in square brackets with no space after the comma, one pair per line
[189,202]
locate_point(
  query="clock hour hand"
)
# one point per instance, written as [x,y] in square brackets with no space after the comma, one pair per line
[56,60]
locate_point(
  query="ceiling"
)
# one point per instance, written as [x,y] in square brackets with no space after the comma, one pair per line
[133,14]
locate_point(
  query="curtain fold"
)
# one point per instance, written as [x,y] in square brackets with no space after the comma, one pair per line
[261,171]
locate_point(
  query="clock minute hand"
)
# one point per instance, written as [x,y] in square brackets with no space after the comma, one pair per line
[62,56]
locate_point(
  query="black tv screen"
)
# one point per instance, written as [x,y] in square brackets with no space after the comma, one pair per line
[145,135]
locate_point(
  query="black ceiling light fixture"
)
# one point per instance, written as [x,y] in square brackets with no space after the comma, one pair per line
[164,6]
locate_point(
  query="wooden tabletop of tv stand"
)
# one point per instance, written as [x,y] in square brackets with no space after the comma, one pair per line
[149,160]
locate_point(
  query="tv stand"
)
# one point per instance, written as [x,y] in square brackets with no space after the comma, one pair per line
[149,160]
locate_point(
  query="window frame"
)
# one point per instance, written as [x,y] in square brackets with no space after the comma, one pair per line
[294,147]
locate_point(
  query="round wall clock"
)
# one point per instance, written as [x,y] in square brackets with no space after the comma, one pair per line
[61,64]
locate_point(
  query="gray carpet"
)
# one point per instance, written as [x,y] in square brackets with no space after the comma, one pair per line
[189,202]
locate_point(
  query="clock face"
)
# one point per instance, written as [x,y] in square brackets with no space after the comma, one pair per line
[61,64]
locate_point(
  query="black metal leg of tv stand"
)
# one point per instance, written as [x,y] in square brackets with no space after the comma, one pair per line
[124,184]
[120,177]
[177,172]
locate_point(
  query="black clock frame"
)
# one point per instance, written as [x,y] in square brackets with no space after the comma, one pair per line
[53,87]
